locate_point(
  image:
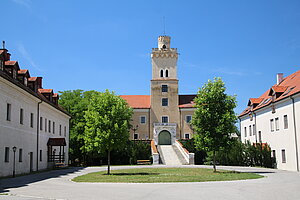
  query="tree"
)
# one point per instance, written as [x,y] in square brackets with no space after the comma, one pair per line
[75,102]
[214,118]
[107,124]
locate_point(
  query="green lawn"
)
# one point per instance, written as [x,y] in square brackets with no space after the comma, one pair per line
[156,175]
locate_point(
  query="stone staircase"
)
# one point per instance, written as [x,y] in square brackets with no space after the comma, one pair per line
[169,155]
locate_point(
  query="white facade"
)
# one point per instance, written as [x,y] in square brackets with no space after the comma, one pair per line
[20,114]
[277,124]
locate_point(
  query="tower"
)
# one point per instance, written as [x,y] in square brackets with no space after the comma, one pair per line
[164,91]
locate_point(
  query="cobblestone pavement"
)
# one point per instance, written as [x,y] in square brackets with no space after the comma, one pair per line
[57,184]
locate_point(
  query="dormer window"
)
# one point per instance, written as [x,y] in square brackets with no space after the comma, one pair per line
[14,74]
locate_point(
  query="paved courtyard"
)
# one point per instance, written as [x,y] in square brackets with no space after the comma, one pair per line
[57,184]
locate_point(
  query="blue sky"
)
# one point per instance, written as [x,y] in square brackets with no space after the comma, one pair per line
[98,45]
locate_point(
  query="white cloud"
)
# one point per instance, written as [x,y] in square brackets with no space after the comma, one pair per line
[26,3]
[27,57]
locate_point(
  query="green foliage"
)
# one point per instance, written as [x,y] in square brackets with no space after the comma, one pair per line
[189,145]
[214,119]
[107,122]
[75,102]
[240,154]
[140,150]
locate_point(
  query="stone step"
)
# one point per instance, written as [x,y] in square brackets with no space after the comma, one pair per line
[168,155]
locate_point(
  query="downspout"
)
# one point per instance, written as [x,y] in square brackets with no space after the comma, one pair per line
[255,127]
[240,128]
[180,124]
[149,124]
[37,135]
[295,131]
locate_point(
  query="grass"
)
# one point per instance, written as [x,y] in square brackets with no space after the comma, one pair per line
[157,175]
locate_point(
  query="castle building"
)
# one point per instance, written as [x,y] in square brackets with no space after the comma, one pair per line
[34,129]
[274,118]
[164,115]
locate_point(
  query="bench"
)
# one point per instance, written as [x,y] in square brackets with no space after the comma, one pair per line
[143,162]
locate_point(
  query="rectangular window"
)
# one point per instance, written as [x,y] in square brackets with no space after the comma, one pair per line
[31,120]
[164,101]
[165,119]
[49,126]
[41,123]
[277,123]
[283,156]
[8,112]
[21,116]
[20,155]
[259,137]
[136,136]
[245,130]
[188,118]
[250,130]
[41,155]
[6,159]
[285,121]
[164,88]
[272,124]
[60,129]
[143,119]
[187,136]
[46,125]
[254,130]
[53,127]
[273,154]
[65,131]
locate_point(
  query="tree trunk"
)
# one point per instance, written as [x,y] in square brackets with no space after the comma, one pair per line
[108,162]
[214,160]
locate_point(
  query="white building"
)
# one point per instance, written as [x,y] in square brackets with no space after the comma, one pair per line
[31,122]
[274,118]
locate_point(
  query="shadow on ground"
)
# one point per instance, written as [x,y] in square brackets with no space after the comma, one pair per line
[20,181]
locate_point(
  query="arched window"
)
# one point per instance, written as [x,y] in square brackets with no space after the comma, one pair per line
[167,73]
[161,73]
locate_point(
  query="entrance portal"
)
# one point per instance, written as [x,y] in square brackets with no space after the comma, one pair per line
[164,138]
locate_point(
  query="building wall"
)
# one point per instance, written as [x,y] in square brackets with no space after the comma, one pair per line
[185,126]
[23,136]
[157,110]
[143,129]
[279,139]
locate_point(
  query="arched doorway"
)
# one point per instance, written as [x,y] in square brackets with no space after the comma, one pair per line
[164,138]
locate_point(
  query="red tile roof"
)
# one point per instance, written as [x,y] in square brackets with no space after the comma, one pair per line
[277,89]
[287,87]
[143,101]
[137,101]
[45,90]
[255,101]
[10,62]
[55,95]
[22,71]
[32,79]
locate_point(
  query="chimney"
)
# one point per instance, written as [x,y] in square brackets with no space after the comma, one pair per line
[279,78]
